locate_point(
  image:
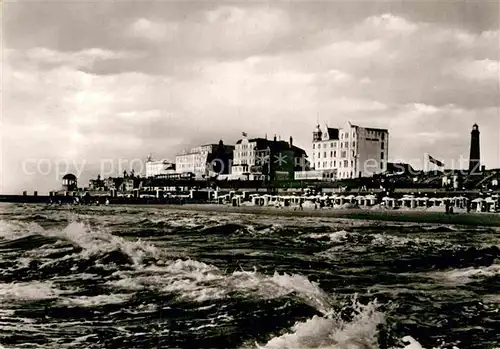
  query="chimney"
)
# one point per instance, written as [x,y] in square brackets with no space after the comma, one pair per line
[291,141]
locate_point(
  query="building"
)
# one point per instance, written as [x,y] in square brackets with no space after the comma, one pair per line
[199,160]
[475,156]
[259,158]
[221,160]
[157,168]
[350,152]
[97,184]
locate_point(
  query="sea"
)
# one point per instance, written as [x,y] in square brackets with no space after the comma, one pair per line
[152,277]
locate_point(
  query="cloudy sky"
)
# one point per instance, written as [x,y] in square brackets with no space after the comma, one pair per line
[91,84]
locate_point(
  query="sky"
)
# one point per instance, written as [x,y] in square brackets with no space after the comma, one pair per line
[94,87]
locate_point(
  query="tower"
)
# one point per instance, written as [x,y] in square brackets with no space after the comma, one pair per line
[474,158]
[317,134]
[69,182]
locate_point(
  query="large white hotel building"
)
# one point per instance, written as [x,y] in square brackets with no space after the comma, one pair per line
[350,152]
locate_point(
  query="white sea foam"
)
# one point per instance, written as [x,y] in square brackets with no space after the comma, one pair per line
[34,290]
[331,332]
[98,241]
[12,230]
[99,300]
[465,275]
[337,236]
[198,281]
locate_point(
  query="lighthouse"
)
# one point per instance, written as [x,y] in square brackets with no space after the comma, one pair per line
[474,158]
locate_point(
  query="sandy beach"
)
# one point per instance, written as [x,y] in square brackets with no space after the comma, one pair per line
[479,219]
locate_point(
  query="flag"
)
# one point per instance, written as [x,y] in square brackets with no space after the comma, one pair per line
[244,134]
[436,162]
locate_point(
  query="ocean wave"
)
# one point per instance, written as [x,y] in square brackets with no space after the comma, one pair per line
[12,230]
[99,241]
[331,331]
[466,275]
[199,282]
[338,236]
[35,290]
[369,239]
[85,276]
[94,301]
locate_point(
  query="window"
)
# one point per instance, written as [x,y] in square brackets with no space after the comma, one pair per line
[383,135]
[382,155]
[347,144]
[346,163]
[319,146]
[334,153]
[353,144]
[319,164]
[382,145]
[334,163]
[382,165]
[352,163]
[319,155]
[324,154]
[331,145]
[340,164]
[341,145]
[313,145]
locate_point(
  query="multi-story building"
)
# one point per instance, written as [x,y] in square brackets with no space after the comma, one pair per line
[350,152]
[157,168]
[199,160]
[275,159]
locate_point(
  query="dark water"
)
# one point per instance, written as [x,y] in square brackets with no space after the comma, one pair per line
[132,277]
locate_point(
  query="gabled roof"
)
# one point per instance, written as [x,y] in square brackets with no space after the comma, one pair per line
[333,133]
[276,146]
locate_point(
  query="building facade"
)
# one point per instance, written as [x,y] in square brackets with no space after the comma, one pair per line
[258,158]
[350,152]
[199,160]
[247,157]
[157,168]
